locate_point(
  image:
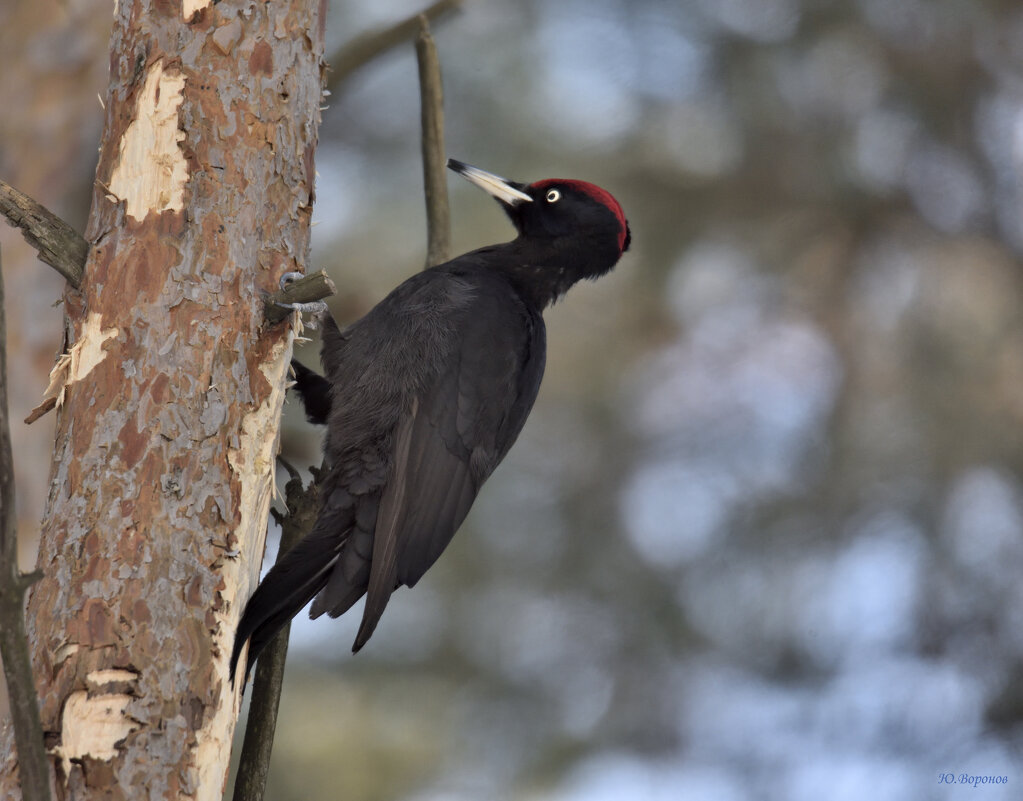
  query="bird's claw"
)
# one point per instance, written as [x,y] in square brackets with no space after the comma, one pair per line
[287,278]
[315,307]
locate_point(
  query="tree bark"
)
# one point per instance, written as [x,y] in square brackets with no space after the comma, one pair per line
[164,456]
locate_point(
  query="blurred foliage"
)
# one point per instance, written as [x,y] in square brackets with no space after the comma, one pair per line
[762,535]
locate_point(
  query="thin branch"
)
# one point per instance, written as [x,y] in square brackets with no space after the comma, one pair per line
[431,92]
[362,50]
[316,286]
[28,731]
[254,763]
[59,245]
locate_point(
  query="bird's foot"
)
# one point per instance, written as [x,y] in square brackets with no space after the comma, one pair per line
[316,307]
[287,278]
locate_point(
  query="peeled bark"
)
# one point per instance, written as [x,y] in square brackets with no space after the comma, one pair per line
[170,400]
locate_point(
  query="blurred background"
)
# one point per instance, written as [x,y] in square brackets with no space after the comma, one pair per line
[762,537]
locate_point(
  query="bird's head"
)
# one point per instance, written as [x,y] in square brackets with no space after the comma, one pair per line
[578,220]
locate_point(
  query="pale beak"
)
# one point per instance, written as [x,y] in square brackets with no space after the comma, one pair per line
[497,187]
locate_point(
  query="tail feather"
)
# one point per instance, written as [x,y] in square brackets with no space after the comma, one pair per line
[291,583]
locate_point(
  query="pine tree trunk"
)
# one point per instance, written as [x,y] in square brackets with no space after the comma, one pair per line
[164,456]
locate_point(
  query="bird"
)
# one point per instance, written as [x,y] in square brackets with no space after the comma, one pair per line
[423,397]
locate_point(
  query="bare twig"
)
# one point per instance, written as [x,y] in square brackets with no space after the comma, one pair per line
[59,245]
[28,731]
[362,50]
[254,763]
[431,92]
[316,286]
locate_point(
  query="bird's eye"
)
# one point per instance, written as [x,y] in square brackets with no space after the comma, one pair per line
[553,196]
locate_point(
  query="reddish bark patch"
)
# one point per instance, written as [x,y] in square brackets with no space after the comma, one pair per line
[92,546]
[101,259]
[109,375]
[133,443]
[145,647]
[140,613]
[167,8]
[96,565]
[217,245]
[148,476]
[96,569]
[130,547]
[210,517]
[173,223]
[258,385]
[261,62]
[193,592]
[158,389]
[98,773]
[195,709]
[144,279]
[95,626]
[193,644]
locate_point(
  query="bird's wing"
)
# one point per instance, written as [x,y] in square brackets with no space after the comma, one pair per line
[461,427]
[390,517]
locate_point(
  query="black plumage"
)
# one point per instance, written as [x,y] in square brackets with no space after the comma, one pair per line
[423,397]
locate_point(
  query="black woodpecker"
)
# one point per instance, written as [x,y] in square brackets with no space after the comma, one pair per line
[423,397]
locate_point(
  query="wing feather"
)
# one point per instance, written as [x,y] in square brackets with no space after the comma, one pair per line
[383,574]
[470,417]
